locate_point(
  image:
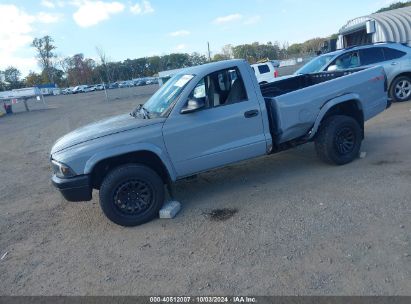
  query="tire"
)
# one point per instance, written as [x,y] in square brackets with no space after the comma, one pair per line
[338,141]
[131,195]
[401,89]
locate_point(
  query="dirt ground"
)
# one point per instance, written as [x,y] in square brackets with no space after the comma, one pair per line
[292,225]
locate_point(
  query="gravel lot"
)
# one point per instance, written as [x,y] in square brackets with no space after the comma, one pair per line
[297,226]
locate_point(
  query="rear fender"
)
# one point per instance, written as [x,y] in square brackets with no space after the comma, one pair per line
[329,105]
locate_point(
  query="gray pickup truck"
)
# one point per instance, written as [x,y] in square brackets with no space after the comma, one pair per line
[207,117]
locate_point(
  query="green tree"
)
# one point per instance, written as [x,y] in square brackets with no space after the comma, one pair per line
[256,51]
[295,49]
[394,6]
[45,55]
[334,36]
[139,67]
[197,59]
[2,81]
[154,65]
[12,76]
[80,70]
[312,46]
[33,79]
[56,74]
[219,57]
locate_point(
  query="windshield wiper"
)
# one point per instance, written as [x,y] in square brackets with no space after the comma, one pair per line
[145,112]
[134,113]
[141,110]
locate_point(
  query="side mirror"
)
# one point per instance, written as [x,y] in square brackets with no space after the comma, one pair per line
[193,105]
[332,68]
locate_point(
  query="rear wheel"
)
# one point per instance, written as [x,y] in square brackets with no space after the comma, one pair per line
[131,195]
[339,140]
[401,89]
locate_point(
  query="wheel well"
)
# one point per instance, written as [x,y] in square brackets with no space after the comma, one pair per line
[147,158]
[408,74]
[348,108]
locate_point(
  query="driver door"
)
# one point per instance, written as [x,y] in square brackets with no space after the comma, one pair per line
[228,128]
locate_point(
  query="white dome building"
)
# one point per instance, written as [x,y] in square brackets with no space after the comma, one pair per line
[389,26]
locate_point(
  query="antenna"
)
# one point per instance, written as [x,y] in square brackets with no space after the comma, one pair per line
[209,53]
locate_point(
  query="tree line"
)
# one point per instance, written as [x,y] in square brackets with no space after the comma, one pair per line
[77,69]
[394,6]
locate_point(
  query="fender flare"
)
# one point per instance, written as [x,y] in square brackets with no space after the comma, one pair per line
[331,103]
[124,149]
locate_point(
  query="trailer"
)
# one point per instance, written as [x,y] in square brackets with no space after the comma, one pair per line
[24,94]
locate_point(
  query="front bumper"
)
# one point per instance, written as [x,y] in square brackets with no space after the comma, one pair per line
[74,189]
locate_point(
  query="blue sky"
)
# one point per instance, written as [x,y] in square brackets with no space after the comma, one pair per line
[132,29]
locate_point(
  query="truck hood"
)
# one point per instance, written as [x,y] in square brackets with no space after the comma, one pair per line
[102,128]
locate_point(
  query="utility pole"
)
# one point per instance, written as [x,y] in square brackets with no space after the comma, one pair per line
[209,53]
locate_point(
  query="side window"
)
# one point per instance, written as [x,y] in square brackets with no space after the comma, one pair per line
[346,61]
[371,56]
[391,54]
[220,88]
[263,69]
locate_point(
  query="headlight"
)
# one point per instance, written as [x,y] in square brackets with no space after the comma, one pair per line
[62,170]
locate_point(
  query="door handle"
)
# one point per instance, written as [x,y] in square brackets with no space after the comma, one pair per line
[394,63]
[251,113]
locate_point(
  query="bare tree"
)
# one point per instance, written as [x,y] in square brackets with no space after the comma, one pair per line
[227,51]
[284,50]
[65,64]
[45,55]
[103,59]
[312,46]
[104,62]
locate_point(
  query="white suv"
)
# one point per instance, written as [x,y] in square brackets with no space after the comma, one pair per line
[79,89]
[266,71]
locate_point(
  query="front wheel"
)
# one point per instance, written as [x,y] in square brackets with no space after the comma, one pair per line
[401,89]
[339,140]
[131,195]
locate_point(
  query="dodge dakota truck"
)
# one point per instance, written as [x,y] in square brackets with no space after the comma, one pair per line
[207,117]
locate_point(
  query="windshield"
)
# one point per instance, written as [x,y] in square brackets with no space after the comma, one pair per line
[163,100]
[315,65]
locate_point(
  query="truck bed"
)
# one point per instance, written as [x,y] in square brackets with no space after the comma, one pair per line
[298,82]
[294,103]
